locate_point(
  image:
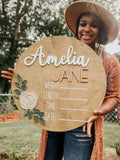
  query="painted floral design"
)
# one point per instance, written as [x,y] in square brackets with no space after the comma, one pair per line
[28,100]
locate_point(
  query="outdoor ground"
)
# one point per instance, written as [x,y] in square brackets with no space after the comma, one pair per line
[111,136]
[20,140]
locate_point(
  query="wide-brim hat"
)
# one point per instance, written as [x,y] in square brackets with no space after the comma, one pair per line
[77,8]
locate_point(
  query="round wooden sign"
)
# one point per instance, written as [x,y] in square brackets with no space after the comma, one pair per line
[58,82]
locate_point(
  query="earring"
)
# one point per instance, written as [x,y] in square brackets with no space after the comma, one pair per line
[97,45]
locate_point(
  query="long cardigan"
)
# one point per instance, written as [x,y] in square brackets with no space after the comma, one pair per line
[112,70]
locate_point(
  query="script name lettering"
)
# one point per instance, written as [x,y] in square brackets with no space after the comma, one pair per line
[70,58]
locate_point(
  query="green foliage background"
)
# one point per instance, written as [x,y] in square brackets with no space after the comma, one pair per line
[24,22]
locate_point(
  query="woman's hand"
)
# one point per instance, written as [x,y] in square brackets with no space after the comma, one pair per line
[91,120]
[107,106]
[89,124]
[8,74]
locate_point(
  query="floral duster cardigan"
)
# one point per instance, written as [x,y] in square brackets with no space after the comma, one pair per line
[112,69]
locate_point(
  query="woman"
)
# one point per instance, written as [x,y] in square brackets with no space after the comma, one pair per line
[92,24]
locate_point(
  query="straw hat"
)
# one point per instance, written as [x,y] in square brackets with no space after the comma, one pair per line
[77,8]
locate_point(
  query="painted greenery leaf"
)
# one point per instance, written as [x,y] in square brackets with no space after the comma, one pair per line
[16,96]
[29,115]
[24,82]
[23,88]
[21,85]
[36,111]
[17,84]
[17,91]
[37,115]
[36,118]
[19,78]
[42,121]
[26,112]
[41,114]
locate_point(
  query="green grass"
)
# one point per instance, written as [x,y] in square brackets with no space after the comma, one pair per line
[23,138]
[19,137]
[111,134]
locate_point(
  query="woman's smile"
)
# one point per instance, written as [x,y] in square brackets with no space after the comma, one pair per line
[88,30]
[87,37]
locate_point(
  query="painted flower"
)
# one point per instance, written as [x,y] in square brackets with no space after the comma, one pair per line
[28,100]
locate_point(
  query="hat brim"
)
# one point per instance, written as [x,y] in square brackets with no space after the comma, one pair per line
[74,10]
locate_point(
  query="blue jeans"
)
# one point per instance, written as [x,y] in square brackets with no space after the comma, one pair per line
[73,145]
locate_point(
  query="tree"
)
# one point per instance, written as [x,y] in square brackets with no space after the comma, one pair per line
[12,33]
[24,22]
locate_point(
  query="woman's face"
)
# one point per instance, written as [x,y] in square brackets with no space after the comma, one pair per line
[88,30]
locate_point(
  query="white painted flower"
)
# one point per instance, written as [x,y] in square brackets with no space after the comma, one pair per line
[28,100]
